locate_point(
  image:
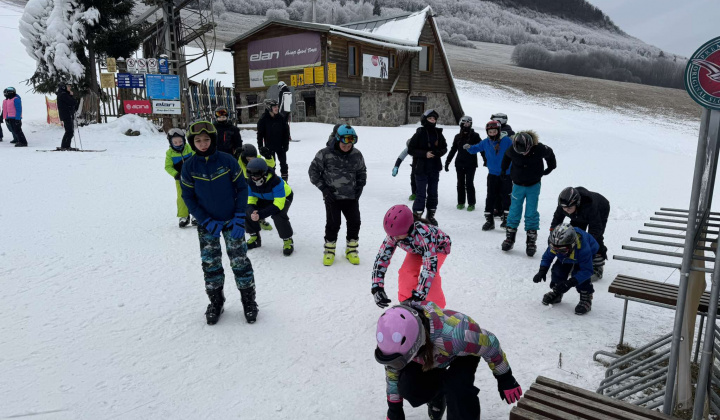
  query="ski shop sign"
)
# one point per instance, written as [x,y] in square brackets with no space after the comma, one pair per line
[293,52]
[163,86]
[167,107]
[702,75]
[375,66]
[137,107]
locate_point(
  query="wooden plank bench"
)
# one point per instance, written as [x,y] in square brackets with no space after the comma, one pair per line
[548,399]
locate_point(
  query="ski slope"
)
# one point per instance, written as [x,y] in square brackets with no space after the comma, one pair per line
[102,299]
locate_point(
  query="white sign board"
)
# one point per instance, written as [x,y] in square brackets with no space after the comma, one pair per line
[132,64]
[167,107]
[375,66]
[152,65]
[142,65]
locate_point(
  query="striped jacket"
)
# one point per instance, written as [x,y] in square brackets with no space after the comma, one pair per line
[453,334]
[274,189]
[426,241]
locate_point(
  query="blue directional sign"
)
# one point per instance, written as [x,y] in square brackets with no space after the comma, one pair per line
[163,86]
[131,81]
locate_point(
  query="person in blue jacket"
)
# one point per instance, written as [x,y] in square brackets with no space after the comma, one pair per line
[12,114]
[574,250]
[493,150]
[216,193]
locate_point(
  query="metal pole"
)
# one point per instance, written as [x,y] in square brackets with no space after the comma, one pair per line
[697,348]
[690,235]
[622,329]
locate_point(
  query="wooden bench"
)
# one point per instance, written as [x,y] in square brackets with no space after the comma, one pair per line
[652,293]
[548,399]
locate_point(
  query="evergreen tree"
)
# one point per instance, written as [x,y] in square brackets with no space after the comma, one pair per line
[376,8]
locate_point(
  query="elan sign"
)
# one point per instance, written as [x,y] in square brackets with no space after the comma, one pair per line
[286,53]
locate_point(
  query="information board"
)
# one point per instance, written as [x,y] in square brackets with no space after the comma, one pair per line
[163,86]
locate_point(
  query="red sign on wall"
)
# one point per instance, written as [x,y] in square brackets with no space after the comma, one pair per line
[137,107]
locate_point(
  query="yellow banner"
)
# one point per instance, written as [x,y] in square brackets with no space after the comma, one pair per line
[332,73]
[293,80]
[320,75]
[111,65]
[107,80]
[308,71]
[53,117]
[301,80]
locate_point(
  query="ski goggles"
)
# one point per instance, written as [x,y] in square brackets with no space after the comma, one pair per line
[562,250]
[396,360]
[347,139]
[176,132]
[200,126]
[221,113]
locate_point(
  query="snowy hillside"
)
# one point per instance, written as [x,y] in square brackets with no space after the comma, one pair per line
[101,309]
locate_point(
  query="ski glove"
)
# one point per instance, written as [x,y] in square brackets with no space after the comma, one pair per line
[238,226]
[328,195]
[358,192]
[395,411]
[541,274]
[381,299]
[508,387]
[417,296]
[447,166]
[177,176]
[213,227]
[566,285]
[266,153]
[395,171]
[466,146]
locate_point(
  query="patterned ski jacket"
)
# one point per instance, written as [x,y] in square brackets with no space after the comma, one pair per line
[426,241]
[274,189]
[344,173]
[453,334]
[582,256]
[213,187]
[174,160]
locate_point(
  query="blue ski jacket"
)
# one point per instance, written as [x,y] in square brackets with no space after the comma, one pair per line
[493,152]
[585,248]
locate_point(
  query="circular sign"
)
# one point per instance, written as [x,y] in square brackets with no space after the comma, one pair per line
[702,75]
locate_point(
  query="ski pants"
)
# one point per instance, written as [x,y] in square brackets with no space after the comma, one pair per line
[560,272]
[9,127]
[69,133]
[1,132]
[182,210]
[408,279]
[15,127]
[427,191]
[530,195]
[281,157]
[465,183]
[333,219]
[211,256]
[498,189]
[419,387]
[281,218]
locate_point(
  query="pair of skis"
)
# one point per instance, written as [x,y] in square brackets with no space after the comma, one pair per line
[71,149]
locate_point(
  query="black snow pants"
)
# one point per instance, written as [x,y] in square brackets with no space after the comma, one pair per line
[281,219]
[498,191]
[466,183]
[333,219]
[69,133]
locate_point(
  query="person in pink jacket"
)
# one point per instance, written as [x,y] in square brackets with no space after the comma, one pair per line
[12,114]
[427,247]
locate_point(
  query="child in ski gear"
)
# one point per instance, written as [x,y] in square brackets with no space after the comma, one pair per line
[67,106]
[493,150]
[175,156]
[247,154]
[505,128]
[574,249]
[215,192]
[430,357]
[268,196]
[273,133]
[427,247]
[396,168]
[427,146]
[229,139]
[526,156]
[12,114]
[466,163]
[588,211]
[340,174]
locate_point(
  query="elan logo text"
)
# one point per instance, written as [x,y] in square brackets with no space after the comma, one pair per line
[261,56]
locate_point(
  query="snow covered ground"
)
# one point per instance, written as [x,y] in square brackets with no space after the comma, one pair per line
[102,300]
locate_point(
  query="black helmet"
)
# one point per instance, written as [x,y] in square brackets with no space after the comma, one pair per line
[522,143]
[569,197]
[500,117]
[62,86]
[466,119]
[427,114]
[248,150]
[9,91]
[269,103]
[256,170]
[563,239]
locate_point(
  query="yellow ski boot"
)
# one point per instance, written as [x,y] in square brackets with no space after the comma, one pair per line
[329,254]
[351,252]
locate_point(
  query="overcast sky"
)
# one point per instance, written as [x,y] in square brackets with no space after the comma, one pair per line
[676,26]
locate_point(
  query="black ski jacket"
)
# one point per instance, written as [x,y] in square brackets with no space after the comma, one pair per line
[590,215]
[528,169]
[228,138]
[464,158]
[507,130]
[273,132]
[67,105]
[427,140]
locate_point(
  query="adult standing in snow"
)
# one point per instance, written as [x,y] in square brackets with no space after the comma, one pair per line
[588,211]
[426,246]
[466,164]
[215,192]
[339,172]
[67,106]
[12,114]
[427,146]
[274,133]
[431,356]
[493,150]
[526,156]
[574,249]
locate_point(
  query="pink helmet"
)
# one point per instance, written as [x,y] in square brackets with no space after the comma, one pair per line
[400,334]
[398,220]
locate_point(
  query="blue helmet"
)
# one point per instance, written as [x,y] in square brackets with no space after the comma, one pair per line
[346,134]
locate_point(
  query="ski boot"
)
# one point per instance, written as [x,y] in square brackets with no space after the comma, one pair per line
[329,253]
[193,221]
[585,303]
[509,241]
[288,247]
[460,206]
[184,221]
[412,197]
[471,208]
[13,141]
[215,308]
[431,217]
[351,251]
[436,407]
[489,222]
[503,218]
[530,244]
[247,297]
[598,267]
[552,297]
[284,176]
[254,241]
[265,225]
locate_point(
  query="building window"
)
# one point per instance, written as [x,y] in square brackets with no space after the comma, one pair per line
[349,105]
[310,104]
[393,61]
[353,60]
[252,111]
[417,105]
[426,57]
